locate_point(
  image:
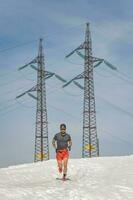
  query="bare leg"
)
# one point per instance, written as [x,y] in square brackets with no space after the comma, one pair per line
[60,165]
[65,165]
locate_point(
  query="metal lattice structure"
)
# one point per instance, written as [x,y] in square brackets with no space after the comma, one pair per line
[90,142]
[41,134]
[41,131]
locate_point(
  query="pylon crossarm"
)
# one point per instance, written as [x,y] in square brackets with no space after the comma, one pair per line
[94,59]
[79,85]
[48,76]
[66,84]
[96,65]
[48,73]
[31,95]
[110,65]
[60,78]
[97,59]
[20,95]
[34,67]
[33,89]
[72,52]
[80,54]
[33,61]
[30,90]
[80,76]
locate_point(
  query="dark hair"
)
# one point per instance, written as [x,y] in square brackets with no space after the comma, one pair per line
[63,126]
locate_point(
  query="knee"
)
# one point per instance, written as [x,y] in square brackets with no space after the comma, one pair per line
[59,163]
[65,166]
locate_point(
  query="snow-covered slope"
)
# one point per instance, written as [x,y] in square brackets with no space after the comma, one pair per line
[103,178]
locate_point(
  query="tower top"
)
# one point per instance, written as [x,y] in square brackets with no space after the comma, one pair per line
[41,39]
[87,24]
[40,51]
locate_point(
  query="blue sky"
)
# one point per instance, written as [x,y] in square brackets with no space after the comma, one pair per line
[62,26]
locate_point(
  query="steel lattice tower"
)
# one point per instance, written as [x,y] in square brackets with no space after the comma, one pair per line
[41,131]
[90,141]
[41,134]
[90,145]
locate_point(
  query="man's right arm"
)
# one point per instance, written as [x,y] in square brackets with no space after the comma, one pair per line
[54,141]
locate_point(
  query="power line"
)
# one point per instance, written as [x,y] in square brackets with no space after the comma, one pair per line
[65,112]
[122,73]
[8,73]
[106,101]
[8,111]
[17,79]
[18,45]
[115,136]
[80,64]
[35,40]
[11,91]
[25,76]
[70,94]
[116,73]
[23,104]
[117,107]
[12,105]
[103,75]
[6,107]
[73,116]
[9,100]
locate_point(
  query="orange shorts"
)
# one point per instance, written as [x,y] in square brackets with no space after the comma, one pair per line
[62,154]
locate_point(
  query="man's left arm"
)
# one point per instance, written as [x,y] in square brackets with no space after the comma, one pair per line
[69,143]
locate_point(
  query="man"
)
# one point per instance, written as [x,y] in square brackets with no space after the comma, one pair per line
[62,144]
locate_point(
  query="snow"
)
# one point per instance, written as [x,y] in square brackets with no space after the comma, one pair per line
[103,178]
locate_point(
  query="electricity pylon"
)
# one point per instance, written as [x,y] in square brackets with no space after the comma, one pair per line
[41,132]
[90,142]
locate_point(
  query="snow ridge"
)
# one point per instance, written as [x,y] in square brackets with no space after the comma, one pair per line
[103,178]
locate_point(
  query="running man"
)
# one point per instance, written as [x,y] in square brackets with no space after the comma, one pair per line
[62,144]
